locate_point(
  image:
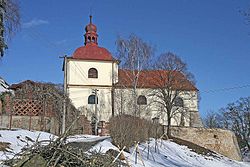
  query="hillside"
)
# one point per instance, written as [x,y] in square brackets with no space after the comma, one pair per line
[168,154]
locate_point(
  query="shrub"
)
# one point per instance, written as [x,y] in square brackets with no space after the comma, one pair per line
[125,130]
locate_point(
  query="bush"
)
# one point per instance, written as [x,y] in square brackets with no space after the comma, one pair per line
[126,130]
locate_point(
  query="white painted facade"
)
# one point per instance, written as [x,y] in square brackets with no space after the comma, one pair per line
[78,72]
[124,97]
[80,87]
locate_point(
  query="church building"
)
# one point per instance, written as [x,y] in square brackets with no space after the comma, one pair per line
[99,89]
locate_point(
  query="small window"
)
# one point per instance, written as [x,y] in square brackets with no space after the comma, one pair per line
[142,100]
[91,99]
[179,102]
[93,73]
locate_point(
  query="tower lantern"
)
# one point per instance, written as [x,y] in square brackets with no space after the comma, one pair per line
[90,35]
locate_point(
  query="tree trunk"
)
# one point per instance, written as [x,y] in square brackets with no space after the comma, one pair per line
[134,102]
[168,127]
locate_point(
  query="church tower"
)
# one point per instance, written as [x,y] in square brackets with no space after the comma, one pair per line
[90,73]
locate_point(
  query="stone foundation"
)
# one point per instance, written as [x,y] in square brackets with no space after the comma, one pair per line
[218,140]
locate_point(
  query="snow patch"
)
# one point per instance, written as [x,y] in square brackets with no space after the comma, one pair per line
[3,85]
[86,138]
[19,139]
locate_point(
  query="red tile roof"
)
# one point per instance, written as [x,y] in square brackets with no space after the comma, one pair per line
[155,79]
[92,52]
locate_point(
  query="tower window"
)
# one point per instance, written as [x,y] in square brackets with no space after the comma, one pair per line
[93,73]
[142,100]
[91,99]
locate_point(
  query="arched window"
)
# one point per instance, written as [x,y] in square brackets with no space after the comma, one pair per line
[89,39]
[93,39]
[178,102]
[91,99]
[142,100]
[93,73]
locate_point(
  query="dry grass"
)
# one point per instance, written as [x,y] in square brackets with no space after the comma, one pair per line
[4,146]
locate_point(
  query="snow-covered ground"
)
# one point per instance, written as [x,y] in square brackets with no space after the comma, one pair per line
[3,85]
[169,154]
[86,138]
[246,154]
[19,139]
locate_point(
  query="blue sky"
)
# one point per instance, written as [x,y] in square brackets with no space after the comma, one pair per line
[212,37]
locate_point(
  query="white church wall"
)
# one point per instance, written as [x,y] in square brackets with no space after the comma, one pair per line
[79,97]
[78,72]
[79,86]
[115,72]
[124,100]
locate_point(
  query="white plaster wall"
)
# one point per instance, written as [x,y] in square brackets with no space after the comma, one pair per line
[124,99]
[80,87]
[115,72]
[190,99]
[77,72]
[79,97]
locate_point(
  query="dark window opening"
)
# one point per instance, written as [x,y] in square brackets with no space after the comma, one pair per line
[91,99]
[179,102]
[93,73]
[142,100]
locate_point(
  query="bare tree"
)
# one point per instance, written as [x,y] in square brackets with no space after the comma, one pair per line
[234,117]
[237,118]
[9,22]
[135,55]
[171,80]
[212,120]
